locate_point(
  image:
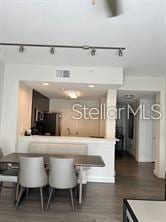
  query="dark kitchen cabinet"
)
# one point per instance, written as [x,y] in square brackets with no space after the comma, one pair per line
[39,103]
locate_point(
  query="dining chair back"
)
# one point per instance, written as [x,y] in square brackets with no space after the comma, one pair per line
[32,175]
[32,172]
[62,173]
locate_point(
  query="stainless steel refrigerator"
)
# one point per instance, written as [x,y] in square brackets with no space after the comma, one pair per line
[50,125]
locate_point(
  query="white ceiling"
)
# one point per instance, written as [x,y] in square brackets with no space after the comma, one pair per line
[140,27]
[57,90]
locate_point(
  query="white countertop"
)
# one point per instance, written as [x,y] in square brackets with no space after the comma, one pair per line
[68,138]
[149,211]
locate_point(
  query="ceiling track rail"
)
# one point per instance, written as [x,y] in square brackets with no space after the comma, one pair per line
[63,46]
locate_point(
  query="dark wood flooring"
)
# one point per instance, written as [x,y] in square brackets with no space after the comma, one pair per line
[102,203]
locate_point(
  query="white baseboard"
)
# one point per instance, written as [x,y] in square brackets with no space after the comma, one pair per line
[145,161]
[159,174]
[101,179]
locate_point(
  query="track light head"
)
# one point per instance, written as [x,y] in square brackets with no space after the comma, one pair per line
[93,51]
[52,51]
[21,49]
[120,52]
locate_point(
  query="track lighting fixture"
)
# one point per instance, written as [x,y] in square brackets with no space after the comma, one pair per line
[52,47]
[120,52]
[21,49]
[93,52]
[52,51]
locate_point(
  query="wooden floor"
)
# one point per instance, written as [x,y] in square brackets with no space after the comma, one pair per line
[103,202]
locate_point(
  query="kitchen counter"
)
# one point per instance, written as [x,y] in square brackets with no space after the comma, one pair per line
[68,138]
[104,147]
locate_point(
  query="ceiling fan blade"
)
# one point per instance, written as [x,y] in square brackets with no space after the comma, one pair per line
[113,7]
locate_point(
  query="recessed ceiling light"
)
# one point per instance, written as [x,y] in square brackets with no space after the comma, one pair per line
[72,94]
[91,86]
[45,83]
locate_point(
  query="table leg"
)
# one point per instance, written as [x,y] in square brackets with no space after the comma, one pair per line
[124,212]
[80,185]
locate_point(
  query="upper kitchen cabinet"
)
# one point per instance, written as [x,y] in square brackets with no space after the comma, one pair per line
[39,103]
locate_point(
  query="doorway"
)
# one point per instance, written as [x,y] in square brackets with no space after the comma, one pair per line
[138,135]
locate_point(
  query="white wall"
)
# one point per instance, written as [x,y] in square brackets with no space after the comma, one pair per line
[47,73]
[102,126]
[156,140]
[24,109]
[145,135]
[82,126]
[136,134]
[110,124]
[1,88]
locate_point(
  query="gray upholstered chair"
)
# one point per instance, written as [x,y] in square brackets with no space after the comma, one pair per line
[8,175]
[32,175]
[62,175]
